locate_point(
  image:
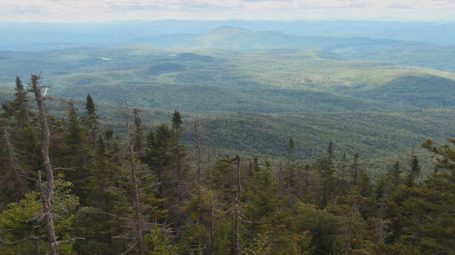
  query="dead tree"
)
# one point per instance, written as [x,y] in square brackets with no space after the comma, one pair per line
[351,231]
[208,162]
[47,194]
[197,146]
[211,225]
[238,245]
[134,181]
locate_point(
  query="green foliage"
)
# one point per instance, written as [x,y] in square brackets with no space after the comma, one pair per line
[22,228]
[281,205]
[323,227]
[19,226]
[321,83]
[20,143]
[158,243]
[92,119]
[76,152]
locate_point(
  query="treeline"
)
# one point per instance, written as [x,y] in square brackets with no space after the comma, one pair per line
[146,193]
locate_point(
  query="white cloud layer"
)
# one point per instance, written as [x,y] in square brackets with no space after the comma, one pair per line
[107,10]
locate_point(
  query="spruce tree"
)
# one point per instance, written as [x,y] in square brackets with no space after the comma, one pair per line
[77,154]
[414,170]
[138,137]
[91,120]
[20,143]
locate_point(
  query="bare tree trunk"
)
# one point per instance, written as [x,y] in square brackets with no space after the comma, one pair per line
[211,226]
[288,182]
[351,222]
[48,193]
[20,186]
[280,180]
[134,180]
[237,162]
[208,162]
[238,245]
[198,151]
[381,225]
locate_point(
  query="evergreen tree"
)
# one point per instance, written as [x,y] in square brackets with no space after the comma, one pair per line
[414,170]
[102,220]
[22,230]
[138,133]
[159,156]
[290,174]
[91,120]
[394,175]
[77,154]
[20,143]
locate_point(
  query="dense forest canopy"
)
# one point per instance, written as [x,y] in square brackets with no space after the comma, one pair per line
[69,185]
[227,137]
[249,102]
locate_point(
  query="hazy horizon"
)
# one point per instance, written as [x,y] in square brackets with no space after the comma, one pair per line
[120,10]
[139,21]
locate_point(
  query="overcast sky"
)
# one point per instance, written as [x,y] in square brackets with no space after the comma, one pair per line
[110,10]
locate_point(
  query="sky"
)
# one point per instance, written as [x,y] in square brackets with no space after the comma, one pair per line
[118,10]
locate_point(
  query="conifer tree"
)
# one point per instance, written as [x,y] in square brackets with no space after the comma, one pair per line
[101,221]
[159,156]
[394,174]
[326,172]
[138,133]
[20,140]
[417,211]
[91,120]
[414,170]
[290,178]
[77,154]
[330,151]
[21,223]
[18,107]
[177,132]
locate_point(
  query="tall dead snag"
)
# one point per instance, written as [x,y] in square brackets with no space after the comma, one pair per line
[47,194]
[197,146]
[208,162]
[134,181]
[211,225]
[238,246]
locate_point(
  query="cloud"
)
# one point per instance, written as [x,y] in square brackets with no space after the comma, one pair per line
[105,10]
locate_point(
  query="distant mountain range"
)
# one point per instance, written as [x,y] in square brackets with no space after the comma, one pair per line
[39,36]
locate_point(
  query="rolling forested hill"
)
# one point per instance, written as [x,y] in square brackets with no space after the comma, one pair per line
[205,139]
[251,101]
[251,89]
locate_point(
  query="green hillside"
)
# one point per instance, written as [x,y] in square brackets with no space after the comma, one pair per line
[373,108]
[370,134]
[419,91]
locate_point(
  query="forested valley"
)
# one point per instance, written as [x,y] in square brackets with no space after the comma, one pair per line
[71,186]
